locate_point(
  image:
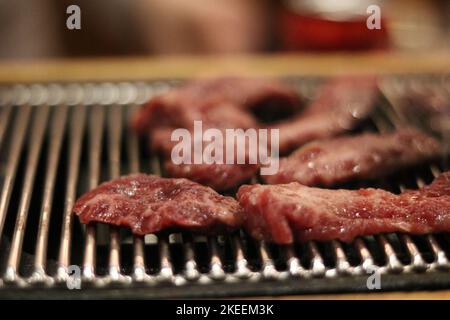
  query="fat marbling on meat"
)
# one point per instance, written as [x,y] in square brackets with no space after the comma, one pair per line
[288,212]
[347,158]
[148,203]
[340,106]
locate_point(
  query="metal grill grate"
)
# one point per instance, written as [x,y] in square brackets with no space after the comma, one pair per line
[59,140]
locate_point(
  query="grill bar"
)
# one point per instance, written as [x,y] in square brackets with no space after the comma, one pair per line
[268,267]
[139,272]
[216,271]
[342,264]
[294,266]
[133,145]
[4,120]
[368,262]
[114,130]
[317,265]
[95,147]
[56,137]
[417,262]
[191,272]
[75,142]
[242,269]
[441,261]
[21,124]
[393,264]
[166,272]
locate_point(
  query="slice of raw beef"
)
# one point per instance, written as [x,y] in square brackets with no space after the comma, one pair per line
[148,203]
[286,212]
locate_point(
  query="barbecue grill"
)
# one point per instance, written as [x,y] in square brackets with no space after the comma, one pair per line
[59,140]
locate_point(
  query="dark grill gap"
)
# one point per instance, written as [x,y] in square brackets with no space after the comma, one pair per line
[59,140]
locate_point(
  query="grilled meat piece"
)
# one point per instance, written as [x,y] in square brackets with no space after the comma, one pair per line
[220,103]
[365,156]
[148,203]
[340,106]
[283,213]
[219,176]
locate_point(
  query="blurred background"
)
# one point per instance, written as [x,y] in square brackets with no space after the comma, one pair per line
[37,29]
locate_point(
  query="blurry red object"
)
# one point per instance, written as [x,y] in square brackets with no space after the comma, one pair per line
[304,27]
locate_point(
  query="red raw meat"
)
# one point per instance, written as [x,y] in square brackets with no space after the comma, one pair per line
[220,103]
[148,204]
[365,156]
[340,106]
[285,212]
